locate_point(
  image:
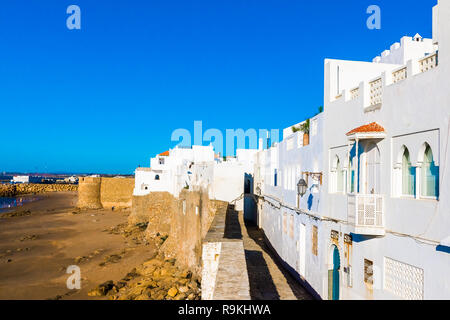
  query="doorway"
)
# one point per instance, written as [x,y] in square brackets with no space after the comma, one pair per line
[333,274]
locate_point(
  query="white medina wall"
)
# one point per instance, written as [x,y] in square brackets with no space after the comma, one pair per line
[294,158]
[413,111]
[290,233]
[203,176]
[228,182]
[203,153]
[246,156]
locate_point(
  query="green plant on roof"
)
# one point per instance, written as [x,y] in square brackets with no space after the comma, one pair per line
[305,126]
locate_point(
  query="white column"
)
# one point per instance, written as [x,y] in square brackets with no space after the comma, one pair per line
[357,168]
[418,177]
[348,182]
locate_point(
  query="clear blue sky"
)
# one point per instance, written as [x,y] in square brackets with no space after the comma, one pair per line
[107,97]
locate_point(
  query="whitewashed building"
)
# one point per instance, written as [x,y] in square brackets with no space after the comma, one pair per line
[376,223]
[174,170]
[197,167]
[373,218]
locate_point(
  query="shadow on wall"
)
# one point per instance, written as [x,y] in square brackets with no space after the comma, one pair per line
[310,201]
[361,237]
[443,249]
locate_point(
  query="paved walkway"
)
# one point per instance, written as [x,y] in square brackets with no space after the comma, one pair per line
[268,279]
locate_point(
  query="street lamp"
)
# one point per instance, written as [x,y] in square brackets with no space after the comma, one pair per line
[302,186]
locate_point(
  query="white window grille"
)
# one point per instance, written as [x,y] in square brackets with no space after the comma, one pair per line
[375,92]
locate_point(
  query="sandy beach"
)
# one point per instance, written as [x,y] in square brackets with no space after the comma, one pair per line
[46,236]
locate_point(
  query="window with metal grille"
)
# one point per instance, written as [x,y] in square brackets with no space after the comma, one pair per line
[368,271]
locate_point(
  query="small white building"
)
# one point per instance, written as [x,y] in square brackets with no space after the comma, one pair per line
[173,170]
[20,179]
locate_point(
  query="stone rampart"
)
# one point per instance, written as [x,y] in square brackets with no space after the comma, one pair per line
[98,192]
[179,223]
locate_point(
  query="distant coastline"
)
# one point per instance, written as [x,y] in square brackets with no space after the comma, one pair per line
[10,190]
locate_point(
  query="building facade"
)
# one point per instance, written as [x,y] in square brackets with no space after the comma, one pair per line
[375,220]
[356,200]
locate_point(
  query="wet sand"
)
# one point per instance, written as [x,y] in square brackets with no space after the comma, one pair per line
[36,248]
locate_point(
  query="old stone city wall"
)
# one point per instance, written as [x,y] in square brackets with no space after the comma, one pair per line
[180,223]
[101,192]
[9,190]
[200,234]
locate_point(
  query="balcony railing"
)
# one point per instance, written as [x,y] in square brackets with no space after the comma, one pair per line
[399,75]
[428,63]
[375,91]
[354,93]
[366,213]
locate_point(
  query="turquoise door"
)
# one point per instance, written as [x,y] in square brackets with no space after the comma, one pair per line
[336,267]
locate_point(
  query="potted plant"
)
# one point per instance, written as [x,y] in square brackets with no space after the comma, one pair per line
[305,128]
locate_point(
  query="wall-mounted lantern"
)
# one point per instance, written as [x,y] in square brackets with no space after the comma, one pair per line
[302,187]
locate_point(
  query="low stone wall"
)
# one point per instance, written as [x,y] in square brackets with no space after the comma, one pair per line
[224,272]
[9,190]
[188,227]
[97,192]
[180,223]
[156,208]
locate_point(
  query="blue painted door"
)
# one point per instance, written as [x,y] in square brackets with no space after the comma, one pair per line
[336,267]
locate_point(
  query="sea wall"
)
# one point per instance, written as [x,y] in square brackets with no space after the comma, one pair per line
[179,224]
[9,190]
[98,192]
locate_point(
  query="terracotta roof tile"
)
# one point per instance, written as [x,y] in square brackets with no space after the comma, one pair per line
[371,127]
[165,153]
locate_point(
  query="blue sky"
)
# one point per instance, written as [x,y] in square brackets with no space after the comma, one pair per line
[107,97]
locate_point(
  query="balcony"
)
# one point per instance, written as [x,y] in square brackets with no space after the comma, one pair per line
[366,214]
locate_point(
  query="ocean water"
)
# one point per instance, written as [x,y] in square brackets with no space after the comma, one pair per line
[8,203]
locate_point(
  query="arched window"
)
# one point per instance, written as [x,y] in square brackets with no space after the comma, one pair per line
[429,185]
[339,177]
[408,175]
[157,177]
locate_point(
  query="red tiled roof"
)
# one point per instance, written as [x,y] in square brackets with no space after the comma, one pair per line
[165,153]
[371,127]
